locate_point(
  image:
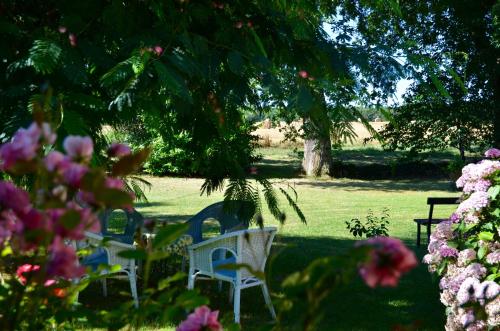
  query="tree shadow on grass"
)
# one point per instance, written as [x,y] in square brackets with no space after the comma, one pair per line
[354,307]
[383,185]
[272,168]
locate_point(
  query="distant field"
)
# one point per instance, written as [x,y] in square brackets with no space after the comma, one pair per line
[275,135]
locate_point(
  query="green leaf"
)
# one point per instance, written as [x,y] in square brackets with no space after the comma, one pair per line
[44,56]
[169,233]
[493,277]
[494,191]
[113,198]
[130,163]
[136,254]
[482,252]
[70,219]
[439,85]
[258,41]
[486,236]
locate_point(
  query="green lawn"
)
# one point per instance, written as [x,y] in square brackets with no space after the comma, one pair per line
[327,204]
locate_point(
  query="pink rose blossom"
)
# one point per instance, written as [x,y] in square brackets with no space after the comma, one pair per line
[12,197]
[388,260]
[158,50]
[73,174]
[116,183]
[87,222]
[23,147]
[23,269]
[53,160]
[62,29]
[63,261]
[72,39]
[492,153]
[201,320]
[303,74]
[118,150]
[78,147]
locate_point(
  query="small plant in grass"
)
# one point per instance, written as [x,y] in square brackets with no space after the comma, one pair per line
[372,226]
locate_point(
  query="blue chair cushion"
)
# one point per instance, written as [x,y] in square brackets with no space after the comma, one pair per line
[95,259]
[224,272]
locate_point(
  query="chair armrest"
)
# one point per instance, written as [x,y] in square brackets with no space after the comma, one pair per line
[201,254]
[113,248]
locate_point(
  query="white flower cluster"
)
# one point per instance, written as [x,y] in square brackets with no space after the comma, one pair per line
[468,285]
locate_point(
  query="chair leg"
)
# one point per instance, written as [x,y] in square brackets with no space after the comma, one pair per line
[418,235]
[191,279]
[219,286]
[237,298]
[231,292]
[267,298]
[104,287]
[133,288]
[428,228]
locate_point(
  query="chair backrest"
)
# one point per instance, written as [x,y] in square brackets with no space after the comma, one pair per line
[431,201]
[229,214]
[253,248]
[134,220]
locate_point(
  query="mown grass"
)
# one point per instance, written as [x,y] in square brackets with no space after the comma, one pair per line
[327,204]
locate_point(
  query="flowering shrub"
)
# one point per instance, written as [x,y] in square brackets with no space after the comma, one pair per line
[38,226]
[465,250]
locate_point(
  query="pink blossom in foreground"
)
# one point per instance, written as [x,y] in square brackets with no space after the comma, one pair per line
[388,259]
[22,148]
[72,39]
[12,197]
[492,153]
[87,221]
[116,183]
[303,74]
[201,320]
[53,160]
[23,269]
[158,50]
[118,150]
[63,261]
[78,147]
[73,174]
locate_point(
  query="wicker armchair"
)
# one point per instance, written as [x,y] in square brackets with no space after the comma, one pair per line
[108,254]
[247,247]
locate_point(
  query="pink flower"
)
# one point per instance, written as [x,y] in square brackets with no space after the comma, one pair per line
[492,153]
[116,183]
[201,320]
[22,148]
[388,260]
[62,29]
[158,50]
[72,39]
[303,74]
[23,269]
[48,135]
[63,261]
[12,197]
[74,228]
[73,174]
[118,150]
[53,160]
[78,147]
[238,25]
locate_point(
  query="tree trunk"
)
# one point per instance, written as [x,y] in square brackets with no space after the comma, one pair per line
[317,143]
[317,157]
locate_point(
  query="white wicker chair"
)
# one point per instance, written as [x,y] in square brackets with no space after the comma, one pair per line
[247,247]
[111,249]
